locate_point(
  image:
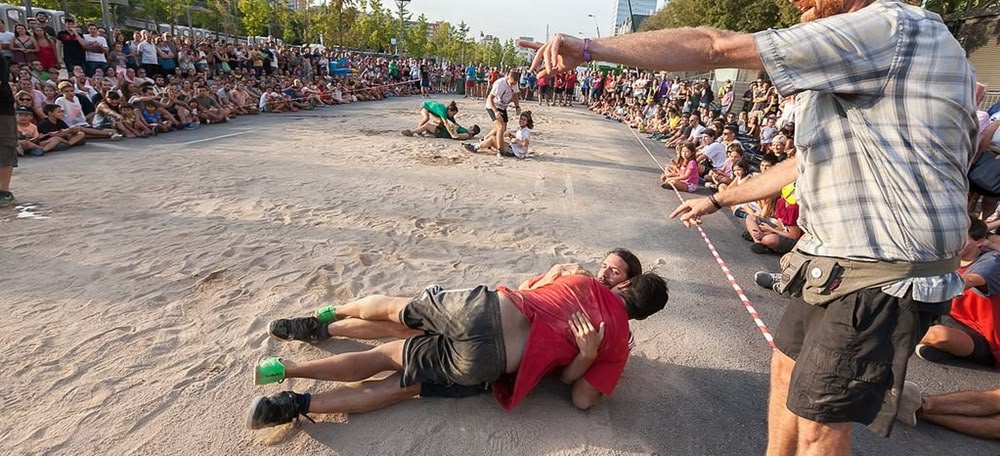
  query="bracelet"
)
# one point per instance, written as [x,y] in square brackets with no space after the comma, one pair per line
[586,50]
[714,201]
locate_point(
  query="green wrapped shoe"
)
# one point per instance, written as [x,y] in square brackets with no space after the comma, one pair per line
[269,370]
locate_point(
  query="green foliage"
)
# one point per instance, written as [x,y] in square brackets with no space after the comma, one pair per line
[736,15]
[257,15]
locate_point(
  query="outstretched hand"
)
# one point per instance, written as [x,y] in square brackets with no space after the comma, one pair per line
[692,210]
[560,54]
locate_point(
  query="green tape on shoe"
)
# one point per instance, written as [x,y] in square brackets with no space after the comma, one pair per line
[269,370]
[326,314]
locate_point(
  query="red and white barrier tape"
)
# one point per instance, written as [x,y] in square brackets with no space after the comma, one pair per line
[718,259]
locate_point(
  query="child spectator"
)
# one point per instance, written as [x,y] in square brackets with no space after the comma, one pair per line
[30,140]
[767,134]
[75,116]
[779,234]
[134,122]
[54,125]
[154,119]
[687,180]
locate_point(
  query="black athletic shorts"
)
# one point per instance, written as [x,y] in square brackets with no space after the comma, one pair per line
[981,353]
[8,141]
[462,348]
[851,355]
[493,116]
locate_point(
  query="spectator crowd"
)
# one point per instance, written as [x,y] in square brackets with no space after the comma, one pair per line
[85,82]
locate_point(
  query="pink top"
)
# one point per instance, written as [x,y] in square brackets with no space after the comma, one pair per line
[692,172]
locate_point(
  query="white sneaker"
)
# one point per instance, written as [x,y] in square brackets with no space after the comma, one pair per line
[116,137]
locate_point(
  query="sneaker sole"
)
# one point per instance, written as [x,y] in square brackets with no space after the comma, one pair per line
[253,408]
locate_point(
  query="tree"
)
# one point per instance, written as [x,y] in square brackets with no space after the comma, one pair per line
[441,44]
[736,15]
[257,16]
[416,38]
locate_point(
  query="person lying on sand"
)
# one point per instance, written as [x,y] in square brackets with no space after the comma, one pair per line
[519,140]
[470,339]
[438,121]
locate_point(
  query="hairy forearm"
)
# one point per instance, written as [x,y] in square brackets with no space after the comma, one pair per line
[577,368]
[762,186]
[682,49]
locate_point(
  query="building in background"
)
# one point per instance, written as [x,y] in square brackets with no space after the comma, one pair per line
[525,53]
[621,14]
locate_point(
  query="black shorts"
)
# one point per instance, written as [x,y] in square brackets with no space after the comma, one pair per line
[559,90]
[851,355]
[441,132]
[8,141]
[546,89]
[462,345]
[493,116]
[981,353]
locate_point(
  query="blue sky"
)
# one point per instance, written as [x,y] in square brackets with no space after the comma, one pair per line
[514,18]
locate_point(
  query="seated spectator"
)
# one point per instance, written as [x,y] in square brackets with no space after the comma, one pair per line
[30,140]
[54,125]
[970,331]
[712,155]
[741,174]
[135,122]
[153,119]
[75,116]
[109,116]
[687,179]
[767,134]
[272,101]
[719,177]
[209,110]
[780,233]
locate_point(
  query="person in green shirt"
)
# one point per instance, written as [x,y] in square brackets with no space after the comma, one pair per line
[439,121]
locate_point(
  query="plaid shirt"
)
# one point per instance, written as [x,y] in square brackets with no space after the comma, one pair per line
[884,133]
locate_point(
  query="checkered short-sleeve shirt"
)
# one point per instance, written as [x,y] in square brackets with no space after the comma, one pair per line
[885,127]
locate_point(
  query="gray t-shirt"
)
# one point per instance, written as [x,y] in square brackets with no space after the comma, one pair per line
[987,266]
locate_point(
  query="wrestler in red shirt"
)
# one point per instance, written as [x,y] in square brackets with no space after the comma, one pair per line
[461,341]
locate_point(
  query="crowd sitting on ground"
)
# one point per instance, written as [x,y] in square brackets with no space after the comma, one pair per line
[76,85]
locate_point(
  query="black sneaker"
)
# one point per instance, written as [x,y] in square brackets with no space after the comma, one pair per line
[767,279]
[278,409]
[934,355]
[760,249]
[746,236]
[6,198]
[307,329]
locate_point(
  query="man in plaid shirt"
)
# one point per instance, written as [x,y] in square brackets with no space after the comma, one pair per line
[885,129]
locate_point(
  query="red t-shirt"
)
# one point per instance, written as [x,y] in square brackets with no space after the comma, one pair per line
[551,344]
[787,213]
[980,313]
[560,81]
[570,79]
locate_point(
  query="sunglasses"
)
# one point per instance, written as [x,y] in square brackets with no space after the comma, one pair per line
[24,99]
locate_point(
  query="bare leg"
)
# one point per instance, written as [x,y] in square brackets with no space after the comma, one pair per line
[824,439]
[356,328]
[374,308]
[782,425]
[967,403]
[950,340]
[362,397]
[424,118]
[984,427]
[350,367]
[5,174]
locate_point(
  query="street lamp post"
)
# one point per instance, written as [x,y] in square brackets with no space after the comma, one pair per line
[598,27]
[399,40]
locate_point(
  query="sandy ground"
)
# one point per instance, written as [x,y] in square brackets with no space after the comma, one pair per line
[139,277]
